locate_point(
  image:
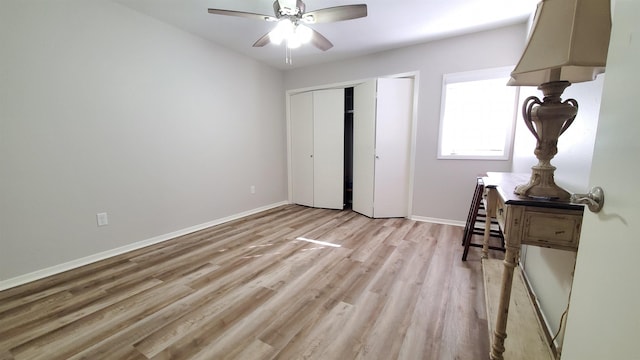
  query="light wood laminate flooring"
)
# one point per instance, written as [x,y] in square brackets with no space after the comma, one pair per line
[256,288]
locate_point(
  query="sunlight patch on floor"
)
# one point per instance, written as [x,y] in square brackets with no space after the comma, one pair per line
[319,242]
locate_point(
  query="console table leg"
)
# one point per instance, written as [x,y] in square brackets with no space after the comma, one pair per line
[485,238]
[500,331]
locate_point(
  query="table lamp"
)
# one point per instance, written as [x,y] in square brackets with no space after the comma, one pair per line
[568,44]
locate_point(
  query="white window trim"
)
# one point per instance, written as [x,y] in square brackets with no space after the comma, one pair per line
[483,74]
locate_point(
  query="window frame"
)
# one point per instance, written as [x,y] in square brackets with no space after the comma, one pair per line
[478,75]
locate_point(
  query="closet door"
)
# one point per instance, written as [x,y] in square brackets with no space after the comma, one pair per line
[381,146]
[364,132]
[328,148]
[301,115]
[317,148]
[394,114]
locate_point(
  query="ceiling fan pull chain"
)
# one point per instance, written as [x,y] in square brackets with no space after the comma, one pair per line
[287,55]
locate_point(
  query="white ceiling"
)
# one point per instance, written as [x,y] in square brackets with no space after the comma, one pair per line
[390,24]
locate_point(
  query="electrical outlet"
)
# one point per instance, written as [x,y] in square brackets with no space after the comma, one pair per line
[102,218]
[252,189]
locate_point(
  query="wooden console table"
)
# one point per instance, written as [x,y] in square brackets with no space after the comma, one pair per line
[546,223]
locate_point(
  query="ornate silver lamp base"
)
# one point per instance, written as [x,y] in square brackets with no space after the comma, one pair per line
[541,185]
[547,120]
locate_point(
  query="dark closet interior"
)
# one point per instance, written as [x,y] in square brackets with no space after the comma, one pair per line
[348,147]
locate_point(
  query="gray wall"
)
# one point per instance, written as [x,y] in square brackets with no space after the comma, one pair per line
[103,109]
[442,188]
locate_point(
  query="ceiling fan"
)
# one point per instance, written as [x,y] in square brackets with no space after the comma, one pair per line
[291,17]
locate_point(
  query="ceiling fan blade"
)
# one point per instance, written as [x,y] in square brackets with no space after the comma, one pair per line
[264,40]
[333,14]
[320,41]
[242,14]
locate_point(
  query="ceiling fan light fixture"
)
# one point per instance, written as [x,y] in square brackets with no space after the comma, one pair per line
[293,42]
[275,37]
[303,33]
[283,31]
[291,18]
[293,34]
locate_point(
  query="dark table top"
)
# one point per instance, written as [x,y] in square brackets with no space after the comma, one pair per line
[505,184]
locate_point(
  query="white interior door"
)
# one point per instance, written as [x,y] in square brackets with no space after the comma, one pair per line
[393,138]
[301,122]
[328,148]
[604,316]
[364,132]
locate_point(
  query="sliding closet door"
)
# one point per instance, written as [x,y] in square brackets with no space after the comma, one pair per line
[364,132]
[328,148]
[301,115]
[394,115]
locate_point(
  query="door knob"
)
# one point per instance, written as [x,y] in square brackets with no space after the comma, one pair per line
[594,199]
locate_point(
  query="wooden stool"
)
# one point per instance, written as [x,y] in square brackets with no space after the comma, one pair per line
[476,220]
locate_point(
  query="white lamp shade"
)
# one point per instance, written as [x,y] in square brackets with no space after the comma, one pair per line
[569,41]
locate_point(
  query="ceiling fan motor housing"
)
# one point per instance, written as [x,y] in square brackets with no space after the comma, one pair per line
[296,11]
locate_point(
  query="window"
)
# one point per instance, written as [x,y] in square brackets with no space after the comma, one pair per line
[477,115]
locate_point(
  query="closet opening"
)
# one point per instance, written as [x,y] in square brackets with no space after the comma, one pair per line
[348,147]
[352,145]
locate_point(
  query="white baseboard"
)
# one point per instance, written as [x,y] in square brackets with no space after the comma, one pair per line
[438,221]
[56,269]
